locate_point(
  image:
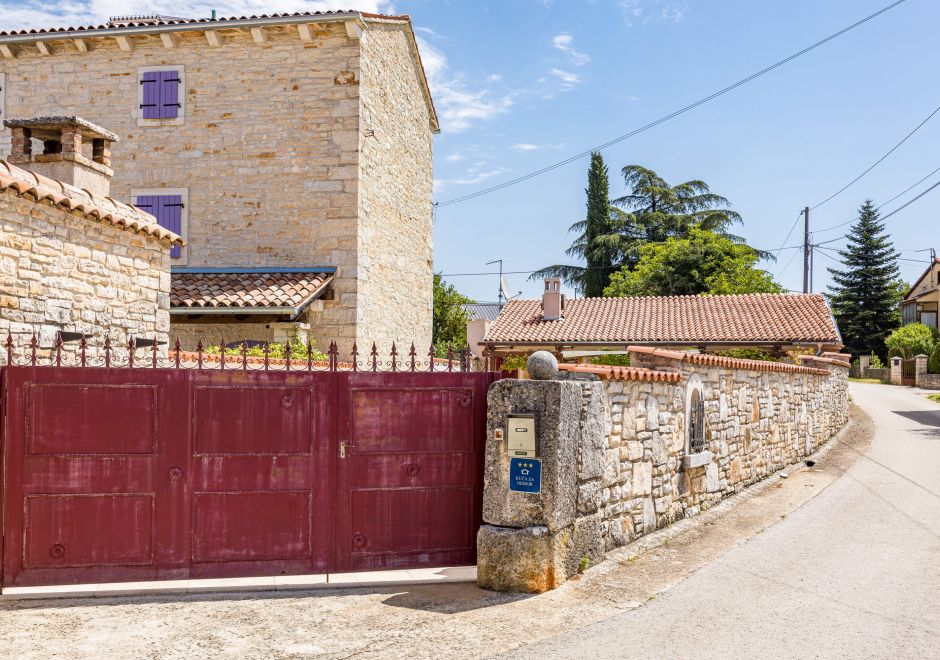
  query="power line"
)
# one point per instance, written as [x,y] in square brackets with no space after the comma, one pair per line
[891,151]
[681,111]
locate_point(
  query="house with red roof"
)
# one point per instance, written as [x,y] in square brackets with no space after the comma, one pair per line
[773,322]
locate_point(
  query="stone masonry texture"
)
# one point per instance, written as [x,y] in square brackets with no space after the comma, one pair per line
[630,439]
[59,271]
[293,153]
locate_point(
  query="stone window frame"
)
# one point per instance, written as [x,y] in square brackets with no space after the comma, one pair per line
[180,118]
[183,259]
[698,459]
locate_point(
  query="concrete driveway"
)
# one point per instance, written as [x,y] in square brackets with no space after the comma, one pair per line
[840,559]
[853,573]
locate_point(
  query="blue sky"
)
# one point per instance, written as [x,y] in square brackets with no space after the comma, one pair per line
[520,84]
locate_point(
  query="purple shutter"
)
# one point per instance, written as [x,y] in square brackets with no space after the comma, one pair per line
[169,94]
[170,209]
[151,81]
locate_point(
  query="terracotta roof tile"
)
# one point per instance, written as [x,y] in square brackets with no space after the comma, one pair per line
[725,362]
[239,290]
[82,202]
[623,373]
[750,318]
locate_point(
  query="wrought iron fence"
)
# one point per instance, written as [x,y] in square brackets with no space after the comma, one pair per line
[148,354]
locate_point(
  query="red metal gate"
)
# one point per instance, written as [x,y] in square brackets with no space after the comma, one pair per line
[140,474]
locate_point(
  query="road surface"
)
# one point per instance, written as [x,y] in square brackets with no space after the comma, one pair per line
[855,572]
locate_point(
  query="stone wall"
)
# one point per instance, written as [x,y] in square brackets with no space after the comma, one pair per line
[268,150]
[395,194]
[634,471]
[928,381]
[61,271]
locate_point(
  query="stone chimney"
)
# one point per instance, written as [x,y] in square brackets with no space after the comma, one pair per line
[74,151]
[553,303]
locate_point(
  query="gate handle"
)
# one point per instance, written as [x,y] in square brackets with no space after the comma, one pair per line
[342,448]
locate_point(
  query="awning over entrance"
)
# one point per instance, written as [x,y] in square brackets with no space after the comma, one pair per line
[236,291]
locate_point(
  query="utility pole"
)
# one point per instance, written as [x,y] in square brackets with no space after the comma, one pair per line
[806,251]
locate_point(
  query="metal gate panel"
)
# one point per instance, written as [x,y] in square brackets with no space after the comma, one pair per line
[410,477]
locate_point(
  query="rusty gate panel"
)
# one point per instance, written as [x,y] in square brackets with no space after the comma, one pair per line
[410,476]
[115,474]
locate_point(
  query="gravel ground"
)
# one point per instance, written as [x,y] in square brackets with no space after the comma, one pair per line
[418,622]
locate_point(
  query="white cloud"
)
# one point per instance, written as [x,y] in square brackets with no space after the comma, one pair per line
[494,77]
[473,177]
[458,105]
[525,146]
[563,42]
[641,12]
[567,78]
[59,13]
[454,158]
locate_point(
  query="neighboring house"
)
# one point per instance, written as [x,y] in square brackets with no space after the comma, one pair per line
[921,302]
[292,152]
[73,260]
[479,318]
[768,321]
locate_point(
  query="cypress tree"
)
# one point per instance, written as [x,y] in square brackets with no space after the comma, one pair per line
[600,264]
[865,295]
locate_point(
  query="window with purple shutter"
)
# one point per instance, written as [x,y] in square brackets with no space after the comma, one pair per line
[168,210]
[160,99]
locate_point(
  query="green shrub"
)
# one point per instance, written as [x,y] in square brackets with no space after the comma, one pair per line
[298,351]
[614,360]
[911,340]
[875,362]
[750,354]
[933,364]
[513,362]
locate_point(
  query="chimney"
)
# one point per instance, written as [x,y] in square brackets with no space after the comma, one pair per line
[74,151]
[553,303]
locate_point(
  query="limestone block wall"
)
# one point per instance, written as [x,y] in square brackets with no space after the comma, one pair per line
[395,194]
[635,472]
[60,271]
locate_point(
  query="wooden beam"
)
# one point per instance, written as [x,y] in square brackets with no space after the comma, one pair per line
[304,30]
[124,43]
[353,29]
[81,45]
[8,53]
[259,35]
[43,48]
[214,38]
[169,40]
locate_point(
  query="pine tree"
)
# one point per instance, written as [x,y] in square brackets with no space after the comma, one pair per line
[600,261]
[864,298]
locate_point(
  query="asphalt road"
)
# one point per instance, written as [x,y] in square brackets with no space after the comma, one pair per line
[855,572]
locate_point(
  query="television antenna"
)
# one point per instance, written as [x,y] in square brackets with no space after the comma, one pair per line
[503,294]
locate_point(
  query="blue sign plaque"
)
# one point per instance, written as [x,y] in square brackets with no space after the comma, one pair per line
[525,475]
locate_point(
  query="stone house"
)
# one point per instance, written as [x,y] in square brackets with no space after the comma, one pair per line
[73,260]
[921,302]
[581,328]
[292,152]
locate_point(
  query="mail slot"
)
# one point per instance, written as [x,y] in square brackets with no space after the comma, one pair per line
[520,436]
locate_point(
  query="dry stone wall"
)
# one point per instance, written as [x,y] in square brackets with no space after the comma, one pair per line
[60,271]
[635,472]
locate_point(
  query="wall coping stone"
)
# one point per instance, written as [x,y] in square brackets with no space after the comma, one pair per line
[735,363]
[608,372]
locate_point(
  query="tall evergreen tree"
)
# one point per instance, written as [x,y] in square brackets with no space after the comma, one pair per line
[864,297]
[599,258]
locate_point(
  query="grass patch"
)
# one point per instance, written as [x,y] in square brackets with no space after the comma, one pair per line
[934,397]
[865,380]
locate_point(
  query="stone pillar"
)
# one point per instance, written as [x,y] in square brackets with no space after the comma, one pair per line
[920,368]
[864,362]
[896,375]
[532,542]
[21,145]
[71,142]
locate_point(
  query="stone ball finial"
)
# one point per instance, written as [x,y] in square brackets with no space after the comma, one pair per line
[542,365]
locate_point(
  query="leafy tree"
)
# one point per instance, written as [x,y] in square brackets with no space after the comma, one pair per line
[449,325]
[912,340]
[702,262]
[652,211]
[865,295]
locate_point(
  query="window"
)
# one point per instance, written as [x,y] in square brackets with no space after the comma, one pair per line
[168,206]
[697,423]
[162,96]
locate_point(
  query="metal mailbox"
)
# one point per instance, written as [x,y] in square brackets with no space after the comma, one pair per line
[520,436]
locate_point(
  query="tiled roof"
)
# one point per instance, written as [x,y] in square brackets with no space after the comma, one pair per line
[81,202]
[732,319]
[160,21]
[725,362]
[623,373]
[238,291]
